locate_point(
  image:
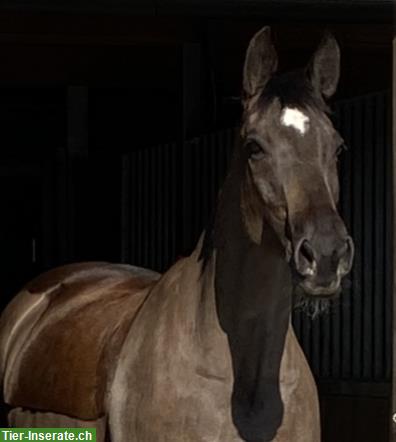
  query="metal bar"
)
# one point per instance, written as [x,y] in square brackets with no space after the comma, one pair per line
[367,282]
[393,428]
[379,293]
[357,203]
[346,208]
[161,191]
[126,221]
[167,211]
[174,187]
[390,261]
[198,165]
[151,210]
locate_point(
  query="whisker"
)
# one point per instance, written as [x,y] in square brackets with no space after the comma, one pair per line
[312,307]
[316,306]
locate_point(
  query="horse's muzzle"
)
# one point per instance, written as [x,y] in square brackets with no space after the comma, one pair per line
[322,263]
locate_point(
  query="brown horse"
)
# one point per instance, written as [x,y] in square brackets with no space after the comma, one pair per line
[205,352]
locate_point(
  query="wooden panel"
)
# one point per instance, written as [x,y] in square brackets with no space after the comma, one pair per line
[149,211]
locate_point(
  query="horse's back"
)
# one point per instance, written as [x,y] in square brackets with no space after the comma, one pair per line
[60,336]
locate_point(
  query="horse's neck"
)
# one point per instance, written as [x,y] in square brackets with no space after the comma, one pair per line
[251,284]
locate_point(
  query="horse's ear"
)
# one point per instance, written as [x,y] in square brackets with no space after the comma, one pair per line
[260,63]
[324,68]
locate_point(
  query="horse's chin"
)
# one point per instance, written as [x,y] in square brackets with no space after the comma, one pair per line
[314,300]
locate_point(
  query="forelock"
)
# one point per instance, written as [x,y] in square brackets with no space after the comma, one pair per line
[292,90]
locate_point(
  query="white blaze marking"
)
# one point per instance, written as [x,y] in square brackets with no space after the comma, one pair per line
[295,118]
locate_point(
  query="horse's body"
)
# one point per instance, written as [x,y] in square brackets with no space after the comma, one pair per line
[76,322]
[206,352]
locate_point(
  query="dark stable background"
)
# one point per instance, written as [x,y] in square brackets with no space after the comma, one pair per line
[80,88]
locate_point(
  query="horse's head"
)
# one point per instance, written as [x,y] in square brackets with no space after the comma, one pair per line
[291,148]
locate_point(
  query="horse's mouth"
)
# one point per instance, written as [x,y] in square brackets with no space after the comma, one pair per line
[313,289]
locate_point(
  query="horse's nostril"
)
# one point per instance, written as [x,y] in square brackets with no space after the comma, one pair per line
[346,256]
[324,258]
[343,250]
[307,252]
[351,247]
[305,258]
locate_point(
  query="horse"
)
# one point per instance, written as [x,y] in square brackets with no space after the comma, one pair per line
[206,351]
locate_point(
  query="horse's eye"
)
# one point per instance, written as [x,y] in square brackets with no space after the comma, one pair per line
[255,150]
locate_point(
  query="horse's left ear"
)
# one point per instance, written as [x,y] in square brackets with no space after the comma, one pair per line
[324,68]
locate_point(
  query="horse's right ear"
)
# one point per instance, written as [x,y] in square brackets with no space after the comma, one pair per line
[260,63]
